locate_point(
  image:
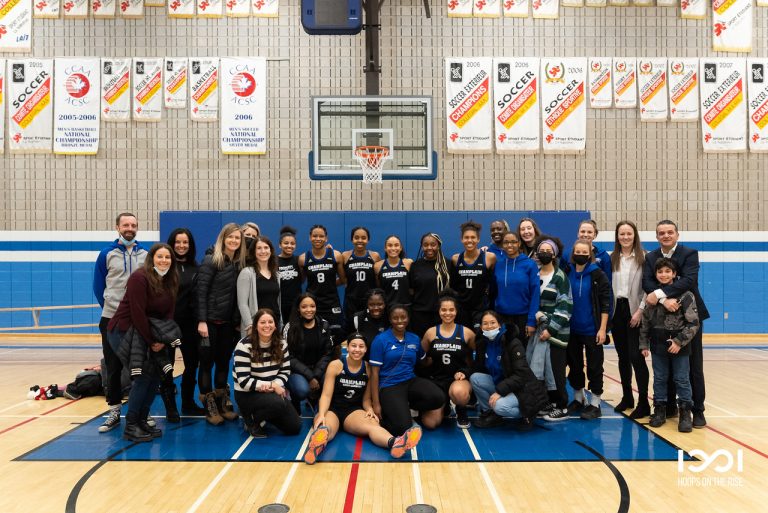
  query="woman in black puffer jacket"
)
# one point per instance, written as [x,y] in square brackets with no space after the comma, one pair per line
[218,319]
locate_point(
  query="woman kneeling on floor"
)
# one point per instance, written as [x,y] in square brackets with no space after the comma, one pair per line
[346,403]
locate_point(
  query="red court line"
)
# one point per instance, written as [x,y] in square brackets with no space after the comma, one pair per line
[352,484]
[33,418]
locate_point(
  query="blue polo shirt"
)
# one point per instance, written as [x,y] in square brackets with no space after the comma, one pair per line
[396,359]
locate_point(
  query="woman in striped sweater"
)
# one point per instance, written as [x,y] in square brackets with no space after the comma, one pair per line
[261,371]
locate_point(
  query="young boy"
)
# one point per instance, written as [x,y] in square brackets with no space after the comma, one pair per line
[665,332]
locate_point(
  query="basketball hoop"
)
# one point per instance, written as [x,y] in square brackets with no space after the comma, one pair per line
[371,159]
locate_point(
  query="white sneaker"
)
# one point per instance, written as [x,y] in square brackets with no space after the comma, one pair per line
[113,419]
[556,415]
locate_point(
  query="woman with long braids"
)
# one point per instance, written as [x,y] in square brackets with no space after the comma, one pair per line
[429,275]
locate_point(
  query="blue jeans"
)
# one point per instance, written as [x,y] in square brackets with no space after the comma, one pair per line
[680,375]
[483,386]
[298,386]
[143,388]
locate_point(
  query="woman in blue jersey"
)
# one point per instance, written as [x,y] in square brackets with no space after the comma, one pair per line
[358,269]
[517,287]
[472,274]
[324,271]
[395,388]
[346,404]
[392,273]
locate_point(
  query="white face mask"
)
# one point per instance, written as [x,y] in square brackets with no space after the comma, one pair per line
[161,273]
[491,334]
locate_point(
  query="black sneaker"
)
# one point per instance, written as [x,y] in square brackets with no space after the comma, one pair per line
[625,404]
[257,431]
[462,419]
[153,431]
[135,433]
[488,419]
[113,419]
[544,411]
[698,419]
[556,415]
[590,413]
[685,424]
[576,406]
[659,416]
[642,410]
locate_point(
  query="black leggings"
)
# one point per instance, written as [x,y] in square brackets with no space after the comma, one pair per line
[268,406]
[114,367]
[219,353]
[578,345]
[627,342]
[397,401]
[558,357]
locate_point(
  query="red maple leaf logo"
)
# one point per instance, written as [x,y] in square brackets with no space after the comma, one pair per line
[707,137]
[40,6]
[17,137]
[452,4]
[550,137]
[454,136]
[755,137]
[175,5]
[502,137]
[68,6]
[719,28]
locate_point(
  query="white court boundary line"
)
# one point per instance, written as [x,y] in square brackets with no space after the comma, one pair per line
[417,477]
[218,477]
[289,477]
[486,477]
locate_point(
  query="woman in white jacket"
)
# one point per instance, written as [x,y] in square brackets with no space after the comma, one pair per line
[258,284]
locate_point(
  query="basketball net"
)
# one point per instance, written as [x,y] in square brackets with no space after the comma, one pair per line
[371,159]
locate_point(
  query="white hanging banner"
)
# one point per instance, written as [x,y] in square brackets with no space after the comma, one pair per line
[642,3]
[237,8]
[723,105]
[16,26]
[666,3]
[132,8]
[175,83]
[693,9]
[732,25]
[762,3]
[460,8]
[516,107]
[564,109]
[468,105]
[115,89]
[600,89]
[624,83]
[596,3]
[154,3]
[30,98]
[652,85]
[104,8]
[147,89]
[243,106]
[204,89]
[75,9]
[618,3]
[265,8]
[684,89]
[76,106]
[486,8]
[515,8]
[2,106]
[209,8]
[757,91]
[572,3]
[547,9]
[181,8]
[46,9]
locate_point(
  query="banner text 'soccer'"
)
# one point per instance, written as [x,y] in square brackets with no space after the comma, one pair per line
[147,89]
[243,106]
[563,104]
[652,87]
[76,106]
[723,105]
[757,93]
[516,105]
[30,105]
[468,105]
[684,89]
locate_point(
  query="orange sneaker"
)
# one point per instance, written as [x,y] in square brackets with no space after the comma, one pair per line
[317,443]
[406,442]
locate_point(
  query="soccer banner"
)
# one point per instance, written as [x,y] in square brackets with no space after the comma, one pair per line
[147,89]
[757,91]
[50,9]
[181,8]
[30,98]
[16,26]
[132,8]
[516,105]
[600,89]
[175,83]
[693,9]
[237,8]
[204,89]
[572,3]
[547,9]
[468,105]
[104,8]
[460,8]
[652,85]
[723,105]
[732,25]
[684,89]
[75,9]
[265,8]
[515,8]
[115,89]
[209,8]
[486,8]
[564,109]
[2,106]
[76,106]
[624,83]
[244,106]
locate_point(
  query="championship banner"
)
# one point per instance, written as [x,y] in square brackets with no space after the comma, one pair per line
[624,83]
[132,8]
[460,8]
[684,89]
[104,8]
[15,25]
[237,8]
[244,106]
[46,9]
[75,9]
[546,9]
[265,8]
[572,3]
[723,105]
[652,86]
[757,91]
[30,98]
[147,89]
[2,106]
[693,9]
[468,105]
[732,25]
[600,89]
[564,109]
[486,8]
[76,106]
[209,8]
[175,83]
[181,8]
[515,8]
[115,89]
[204,89]
[516,106]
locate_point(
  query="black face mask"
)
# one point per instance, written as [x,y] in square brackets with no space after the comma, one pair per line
[249,242]
[545,258]
[581,259]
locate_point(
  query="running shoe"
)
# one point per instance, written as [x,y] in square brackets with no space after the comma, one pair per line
[406,442]
[462,419]
[317,443]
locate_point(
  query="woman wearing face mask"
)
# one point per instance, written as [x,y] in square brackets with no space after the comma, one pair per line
[258,284]
[358,268]
[324,270]
[472,276]
[502,381]
[309,341]
[429,275]
[289,272]
[627,261]
[392,273]
[528,231]
[150,294]
[250,231]
[373,320]
[589,323]
[219,320]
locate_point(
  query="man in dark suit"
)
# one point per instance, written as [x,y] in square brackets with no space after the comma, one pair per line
[687,260]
